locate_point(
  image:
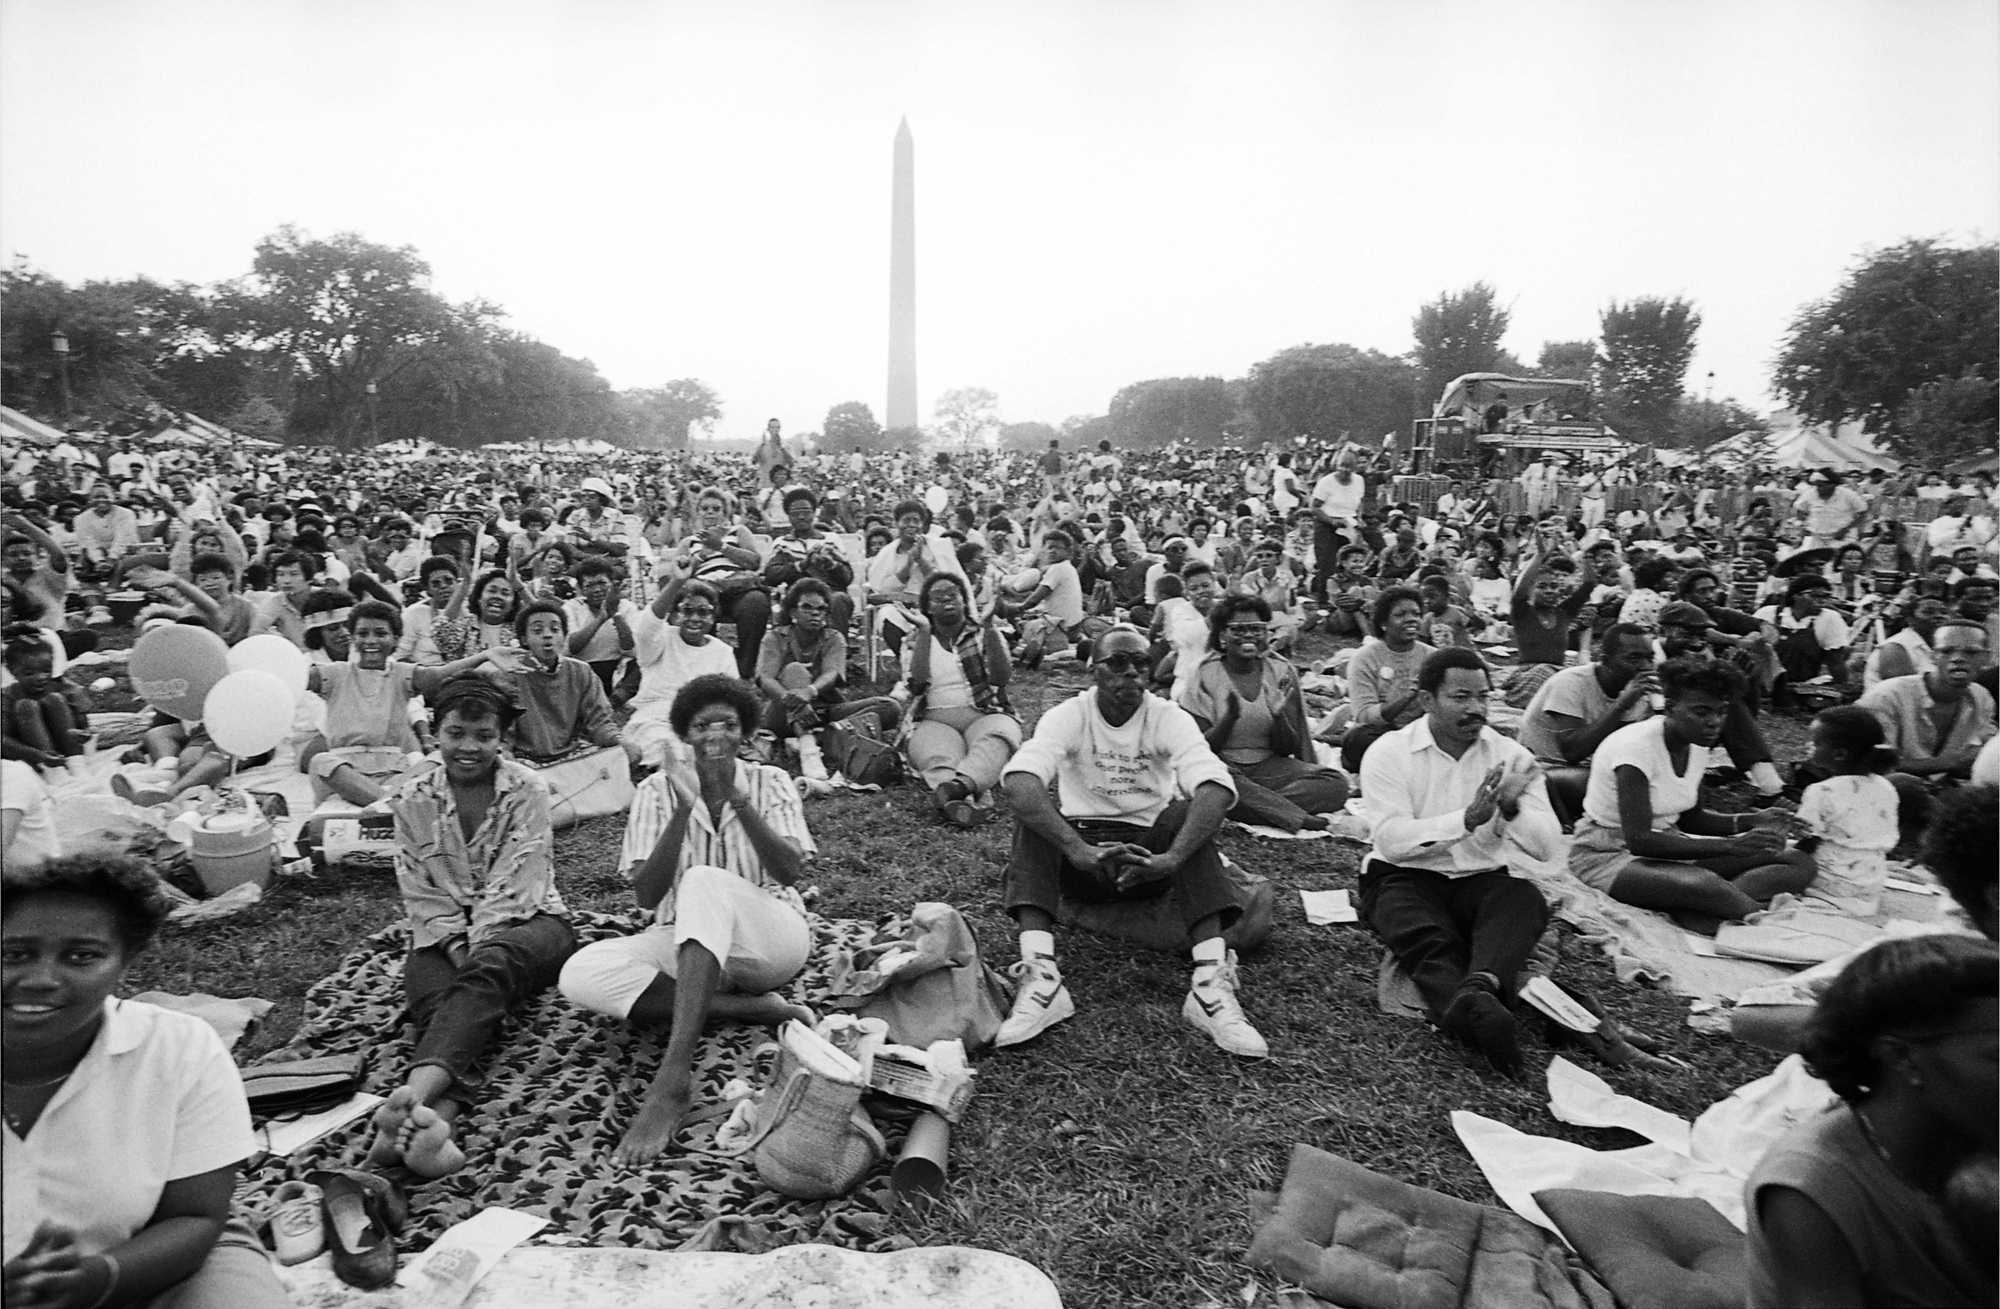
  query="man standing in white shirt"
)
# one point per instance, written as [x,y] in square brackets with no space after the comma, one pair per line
[1336,508]
[1456,809]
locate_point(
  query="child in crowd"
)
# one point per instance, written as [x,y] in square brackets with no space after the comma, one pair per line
[564,709]
[369,736]
[42,726]
[1849,819]
[1446,623]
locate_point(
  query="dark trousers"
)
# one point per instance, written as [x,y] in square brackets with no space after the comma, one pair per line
[607,672]
[1327,544]
[1444,929]
[458,1010]
[751,612]
[1038,876]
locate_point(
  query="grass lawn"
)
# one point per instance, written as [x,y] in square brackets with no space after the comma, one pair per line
[1117,1152]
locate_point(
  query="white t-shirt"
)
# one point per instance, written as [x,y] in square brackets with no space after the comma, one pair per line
[1065,598]
[1643,746]
[23,791]
[1828,627]
[1338,500]
[1574,692]
[667,662]
[156,1099]
[1128,773]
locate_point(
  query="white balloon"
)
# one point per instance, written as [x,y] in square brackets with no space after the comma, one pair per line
[271,653]
[248,712]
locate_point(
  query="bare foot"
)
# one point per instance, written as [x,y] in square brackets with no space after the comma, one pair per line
[426,1145]
[653,1130]
[390,1119]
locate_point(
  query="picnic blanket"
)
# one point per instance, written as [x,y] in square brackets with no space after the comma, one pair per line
[1362,1240]
[1647,946]
[559,1091]
[1709,1159]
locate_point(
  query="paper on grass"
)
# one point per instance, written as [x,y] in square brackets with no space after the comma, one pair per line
[1584,1099]
[295,1134]
[1324,908]
[444,1275]
[1280,834]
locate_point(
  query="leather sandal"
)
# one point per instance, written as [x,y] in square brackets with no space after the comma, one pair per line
[363,1213]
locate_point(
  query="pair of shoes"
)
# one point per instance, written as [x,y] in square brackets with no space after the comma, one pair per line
[297,1233]
[954,801]
[1040,1002]
[1477,1017]
[363,1214]
[1211,1006]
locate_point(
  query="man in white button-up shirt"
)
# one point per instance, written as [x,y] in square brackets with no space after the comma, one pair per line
[1456,807]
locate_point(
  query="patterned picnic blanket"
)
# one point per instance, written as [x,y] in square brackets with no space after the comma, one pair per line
[559,1090]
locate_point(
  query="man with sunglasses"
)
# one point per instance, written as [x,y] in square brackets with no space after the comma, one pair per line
[1139,797]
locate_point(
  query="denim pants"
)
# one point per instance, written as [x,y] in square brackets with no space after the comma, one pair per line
[1444,929]
[1038,876]
[458,1010]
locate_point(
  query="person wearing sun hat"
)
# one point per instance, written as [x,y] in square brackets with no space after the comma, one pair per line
[598,523]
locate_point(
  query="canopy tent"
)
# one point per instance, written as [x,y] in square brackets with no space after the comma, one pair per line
[17,426]
[217,433]
[1471,394]
[1986,461]
[1790,445]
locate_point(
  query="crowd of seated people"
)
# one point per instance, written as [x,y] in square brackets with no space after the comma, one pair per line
[1277,642]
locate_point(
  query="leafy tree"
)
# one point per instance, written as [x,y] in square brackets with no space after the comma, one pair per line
[1459,333]
[1026,438]
[1168,409]
[109,351]
[1904,318]
[343,312]
[851,428]
[966,416]
[1698,424]
[1331,392]
[1577,361]
[1570,359]
[1947,420]
[257,417]
[902,438]
[659,417]
[1646,347]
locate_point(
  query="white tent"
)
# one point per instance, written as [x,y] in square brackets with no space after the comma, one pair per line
[1791,444]
[17,426]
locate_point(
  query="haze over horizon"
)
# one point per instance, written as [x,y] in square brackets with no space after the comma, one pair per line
[1105,192]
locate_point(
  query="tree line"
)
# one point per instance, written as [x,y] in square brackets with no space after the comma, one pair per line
[338,340]
[342,341]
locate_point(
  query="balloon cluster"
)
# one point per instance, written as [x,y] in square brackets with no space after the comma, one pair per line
[246,696]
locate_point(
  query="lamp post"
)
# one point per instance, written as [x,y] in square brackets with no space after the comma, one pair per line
[59,343]
[374,428]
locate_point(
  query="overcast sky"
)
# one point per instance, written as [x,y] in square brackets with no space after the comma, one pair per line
[1106,191]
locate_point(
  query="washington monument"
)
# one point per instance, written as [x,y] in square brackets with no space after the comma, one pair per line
[901,411]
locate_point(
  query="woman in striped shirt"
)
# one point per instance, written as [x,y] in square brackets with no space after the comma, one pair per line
[714,849]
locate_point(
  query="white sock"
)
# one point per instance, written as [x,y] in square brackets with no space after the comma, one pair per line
[1765,778]
[1038,945]
[1209,956]
[811,761]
